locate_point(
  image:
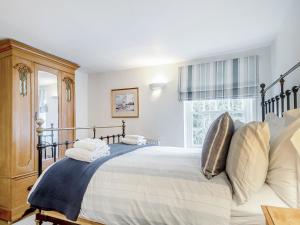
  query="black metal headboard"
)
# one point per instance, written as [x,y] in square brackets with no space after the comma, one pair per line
[278,103]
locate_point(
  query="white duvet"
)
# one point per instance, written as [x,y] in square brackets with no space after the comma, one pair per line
[156,185]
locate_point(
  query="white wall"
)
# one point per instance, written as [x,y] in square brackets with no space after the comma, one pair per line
[162,115]
[81,103]
[285,50]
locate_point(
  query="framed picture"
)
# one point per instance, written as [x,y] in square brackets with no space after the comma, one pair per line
[125,103]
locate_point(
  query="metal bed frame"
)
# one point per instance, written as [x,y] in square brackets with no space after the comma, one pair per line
[42,145]
[272,104]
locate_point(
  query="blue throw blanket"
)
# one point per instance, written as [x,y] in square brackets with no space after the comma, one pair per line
[63,185]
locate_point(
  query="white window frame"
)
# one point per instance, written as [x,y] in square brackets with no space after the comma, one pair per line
[251,114]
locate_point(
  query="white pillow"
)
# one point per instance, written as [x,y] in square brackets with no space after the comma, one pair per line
[282,172]
[276,125]
[291,115]
[237,124]
[296,143]
[248,159]
[295,139]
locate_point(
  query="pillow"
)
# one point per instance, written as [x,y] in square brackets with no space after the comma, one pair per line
[295,139]
[248,159]
[291,115]
[237,124]
[282,172]
[276,125]
[216,144]
[296,143]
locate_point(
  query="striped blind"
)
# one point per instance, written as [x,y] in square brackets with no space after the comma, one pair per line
[234,78]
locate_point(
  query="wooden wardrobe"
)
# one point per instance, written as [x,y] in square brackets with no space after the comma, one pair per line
[19,108]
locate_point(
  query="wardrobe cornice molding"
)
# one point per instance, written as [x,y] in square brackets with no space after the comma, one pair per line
[37,55]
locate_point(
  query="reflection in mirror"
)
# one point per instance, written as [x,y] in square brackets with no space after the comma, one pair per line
[48,108]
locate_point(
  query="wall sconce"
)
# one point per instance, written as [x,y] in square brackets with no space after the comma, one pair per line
[157,86]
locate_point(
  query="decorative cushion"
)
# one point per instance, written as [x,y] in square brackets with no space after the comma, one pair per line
[216,144]
[282,174]
[247,161]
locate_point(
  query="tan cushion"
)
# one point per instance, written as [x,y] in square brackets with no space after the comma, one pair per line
[216,145]
[247,161]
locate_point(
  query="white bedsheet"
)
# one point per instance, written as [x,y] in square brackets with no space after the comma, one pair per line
[251,213]
[157,185]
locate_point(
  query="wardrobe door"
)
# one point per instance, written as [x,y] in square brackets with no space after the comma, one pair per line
[23,149]
[5,119]
[67,108]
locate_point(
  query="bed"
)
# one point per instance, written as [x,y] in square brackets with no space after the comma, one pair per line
[156,184]
[146,187]
[153,182]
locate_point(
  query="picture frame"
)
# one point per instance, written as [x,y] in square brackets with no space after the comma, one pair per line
[125,103]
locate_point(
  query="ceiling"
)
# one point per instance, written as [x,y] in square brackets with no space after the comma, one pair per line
[120,34]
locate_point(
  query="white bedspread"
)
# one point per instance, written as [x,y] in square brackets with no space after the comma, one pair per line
[157,185]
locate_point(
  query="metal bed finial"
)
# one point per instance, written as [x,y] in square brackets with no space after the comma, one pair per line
[39,131]
[40,123]
[123,128]
[282,95]
[262,86]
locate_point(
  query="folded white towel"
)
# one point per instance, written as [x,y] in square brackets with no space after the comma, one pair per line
[135,137]
[130,141]
[90,144]
[86,155]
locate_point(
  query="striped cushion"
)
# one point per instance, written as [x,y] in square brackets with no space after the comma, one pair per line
[216,145]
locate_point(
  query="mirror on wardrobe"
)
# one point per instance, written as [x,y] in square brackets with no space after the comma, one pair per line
[48,108]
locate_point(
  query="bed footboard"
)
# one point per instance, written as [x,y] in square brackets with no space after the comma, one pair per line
[42,145]
[59,219]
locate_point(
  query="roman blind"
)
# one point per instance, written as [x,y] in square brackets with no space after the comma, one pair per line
[233,78]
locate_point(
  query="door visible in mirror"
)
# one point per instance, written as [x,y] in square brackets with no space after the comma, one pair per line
[48,108]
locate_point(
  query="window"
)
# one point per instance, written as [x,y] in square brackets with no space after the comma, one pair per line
[200,114]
